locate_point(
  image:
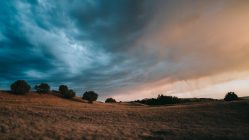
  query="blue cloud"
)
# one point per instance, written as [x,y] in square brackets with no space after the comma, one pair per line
[115,45]
[80,43]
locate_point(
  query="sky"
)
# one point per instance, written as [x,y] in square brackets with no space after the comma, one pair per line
[127,49]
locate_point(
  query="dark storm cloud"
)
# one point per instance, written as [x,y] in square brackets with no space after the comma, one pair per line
[115,46]
[113,23]
[38,39]
[16,50]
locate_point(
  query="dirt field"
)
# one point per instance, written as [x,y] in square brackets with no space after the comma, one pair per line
[36,116]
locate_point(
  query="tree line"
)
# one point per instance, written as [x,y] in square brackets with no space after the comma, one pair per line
[22,87]
[164,100]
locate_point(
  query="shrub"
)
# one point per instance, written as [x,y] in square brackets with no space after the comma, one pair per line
[90,96]
[69,94]
[231,96]
[42,88]
[65,92]
[164,100]
[161,100]
[110,100]
[63,89]
[20,87]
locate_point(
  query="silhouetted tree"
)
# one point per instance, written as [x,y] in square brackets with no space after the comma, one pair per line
[63,89]
[69,94]
[42,88]
[110,100]
[90,96]
[20,87]
[230,96]
[161,100]
[65,92]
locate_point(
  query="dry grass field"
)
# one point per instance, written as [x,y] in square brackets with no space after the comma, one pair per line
[35,116]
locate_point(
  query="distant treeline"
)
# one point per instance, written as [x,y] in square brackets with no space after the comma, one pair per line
[21,87]
[163,100]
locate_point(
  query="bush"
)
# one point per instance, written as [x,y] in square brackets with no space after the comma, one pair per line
[231,96]
[110,100]
[161,100]
[69,94]
[63,88]
[90,96]
[65,92]
[42,88]
[20,87]
[164,100]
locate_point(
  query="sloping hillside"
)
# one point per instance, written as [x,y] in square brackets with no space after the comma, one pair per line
[35,116]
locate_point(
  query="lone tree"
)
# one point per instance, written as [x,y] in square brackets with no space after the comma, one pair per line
[231,96]
[42,88]
[20,87]
[65,92]
[90,96]
[110,100]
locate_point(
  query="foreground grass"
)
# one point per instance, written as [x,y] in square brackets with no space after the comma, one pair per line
[36,116]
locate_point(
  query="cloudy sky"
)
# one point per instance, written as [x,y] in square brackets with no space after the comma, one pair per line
[127,49]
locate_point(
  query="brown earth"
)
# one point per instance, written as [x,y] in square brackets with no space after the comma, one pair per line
[35,116]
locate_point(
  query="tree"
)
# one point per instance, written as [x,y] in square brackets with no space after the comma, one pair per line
[90,96]
[69,94]
[110,100]
[42,88]
[63,89]
[231,96]
[161,100]
[65,92]
[20,87]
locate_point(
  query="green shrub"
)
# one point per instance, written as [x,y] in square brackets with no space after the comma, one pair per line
[20,87]
[90,96]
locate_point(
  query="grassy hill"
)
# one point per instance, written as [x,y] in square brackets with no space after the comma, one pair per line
[35,116]
[245,98]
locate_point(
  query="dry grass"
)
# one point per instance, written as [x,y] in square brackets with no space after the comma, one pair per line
[36,116]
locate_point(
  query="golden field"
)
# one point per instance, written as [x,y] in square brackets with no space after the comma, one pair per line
[46,116]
